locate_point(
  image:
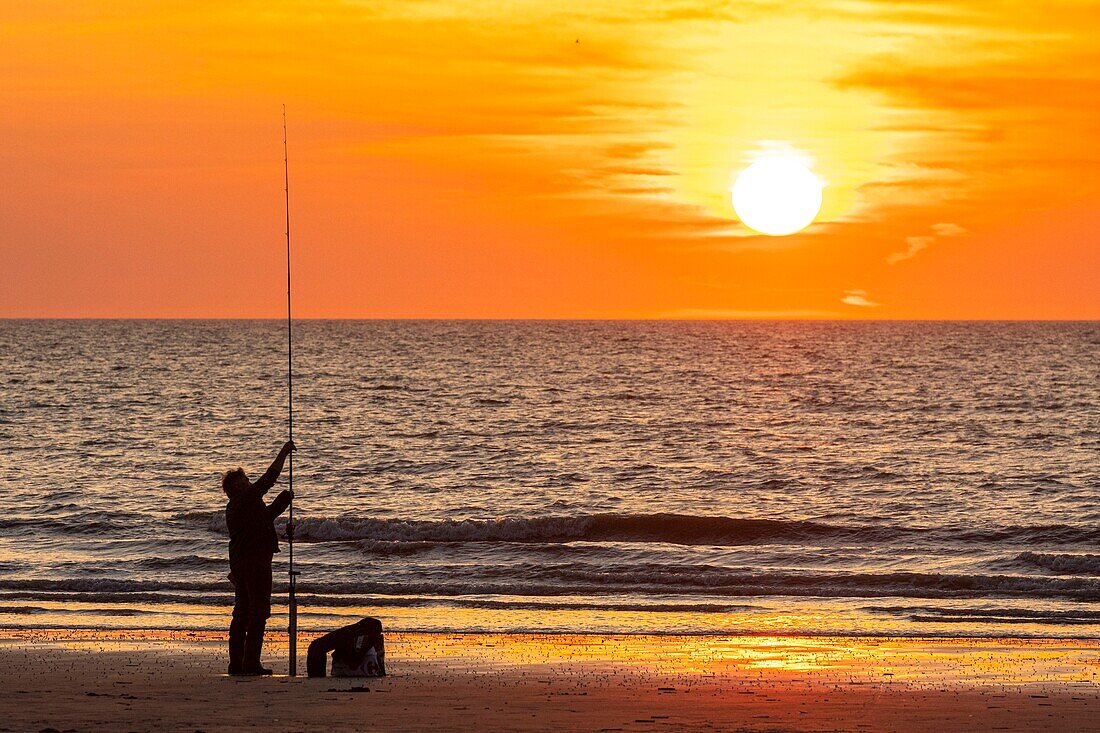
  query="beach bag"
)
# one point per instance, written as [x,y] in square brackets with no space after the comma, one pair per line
[358,650]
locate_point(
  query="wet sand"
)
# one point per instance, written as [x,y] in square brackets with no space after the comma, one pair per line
[142,681]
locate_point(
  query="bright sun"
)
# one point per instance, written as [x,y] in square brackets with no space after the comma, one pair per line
[777,195]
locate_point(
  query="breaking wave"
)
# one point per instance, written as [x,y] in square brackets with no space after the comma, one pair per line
[681,529]
[1061,563]
[668,528]
[933,614]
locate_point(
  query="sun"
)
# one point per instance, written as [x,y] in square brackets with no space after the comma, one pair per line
[777,194]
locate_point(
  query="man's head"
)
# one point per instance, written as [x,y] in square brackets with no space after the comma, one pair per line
[234,481]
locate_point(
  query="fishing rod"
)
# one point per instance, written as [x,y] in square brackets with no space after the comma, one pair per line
[292,601]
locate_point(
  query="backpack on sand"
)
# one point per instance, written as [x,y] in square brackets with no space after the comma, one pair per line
[357,650]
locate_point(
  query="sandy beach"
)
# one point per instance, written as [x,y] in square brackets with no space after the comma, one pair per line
[148,681]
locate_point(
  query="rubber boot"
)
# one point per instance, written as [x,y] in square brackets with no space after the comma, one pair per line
[237,635]
[253,645]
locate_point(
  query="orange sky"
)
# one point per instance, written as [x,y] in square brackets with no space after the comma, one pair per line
[548,159]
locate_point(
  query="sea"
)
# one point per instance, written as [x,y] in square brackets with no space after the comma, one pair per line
[662,477]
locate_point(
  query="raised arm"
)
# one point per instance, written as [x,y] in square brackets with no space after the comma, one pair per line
[265,482]
[279,505]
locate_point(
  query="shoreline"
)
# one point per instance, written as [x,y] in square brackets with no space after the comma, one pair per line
[188,633]
[796,617]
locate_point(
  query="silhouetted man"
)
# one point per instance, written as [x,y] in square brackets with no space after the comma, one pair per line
[252,542]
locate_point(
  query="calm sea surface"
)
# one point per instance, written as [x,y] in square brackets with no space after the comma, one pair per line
[894,478]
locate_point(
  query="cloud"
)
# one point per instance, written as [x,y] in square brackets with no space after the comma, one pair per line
[948,230]
[1018,84]
[628,170]
[858,298]
[915,244]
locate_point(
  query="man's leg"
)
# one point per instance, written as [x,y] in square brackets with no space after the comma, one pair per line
[259,610]
[239,625]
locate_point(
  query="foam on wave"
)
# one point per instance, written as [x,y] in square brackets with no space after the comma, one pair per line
[1061,563]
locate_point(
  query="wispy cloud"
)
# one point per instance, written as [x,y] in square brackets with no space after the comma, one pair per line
[913,245]
[917,243]
[947,229]
[858,298]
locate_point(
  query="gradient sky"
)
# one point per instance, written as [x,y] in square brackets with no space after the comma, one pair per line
[546,159]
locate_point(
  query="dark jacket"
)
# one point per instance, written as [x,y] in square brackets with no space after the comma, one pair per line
[251,523]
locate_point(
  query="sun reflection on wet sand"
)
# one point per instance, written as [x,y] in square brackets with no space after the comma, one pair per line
[922,663]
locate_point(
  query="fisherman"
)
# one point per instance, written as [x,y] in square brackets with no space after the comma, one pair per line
[252,542]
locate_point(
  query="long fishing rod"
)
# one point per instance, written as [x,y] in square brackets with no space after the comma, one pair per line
[292,602]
